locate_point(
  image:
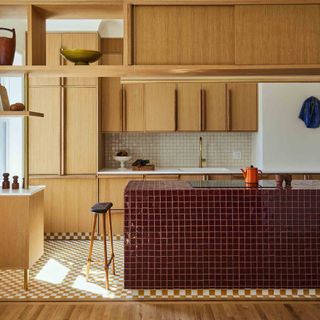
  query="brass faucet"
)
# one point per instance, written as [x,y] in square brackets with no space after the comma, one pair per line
[201,159]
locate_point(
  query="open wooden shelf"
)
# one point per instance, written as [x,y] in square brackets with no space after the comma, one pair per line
[235,72]
[20,114]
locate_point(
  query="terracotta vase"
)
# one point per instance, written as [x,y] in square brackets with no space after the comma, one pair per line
[7,48]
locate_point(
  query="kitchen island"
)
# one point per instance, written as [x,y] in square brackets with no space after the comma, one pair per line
[219,234]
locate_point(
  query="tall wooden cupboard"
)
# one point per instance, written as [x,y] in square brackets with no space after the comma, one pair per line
[64,147]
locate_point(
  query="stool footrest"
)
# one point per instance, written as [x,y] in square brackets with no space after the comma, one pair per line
[101,261]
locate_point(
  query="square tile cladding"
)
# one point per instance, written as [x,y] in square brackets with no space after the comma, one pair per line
[179,237]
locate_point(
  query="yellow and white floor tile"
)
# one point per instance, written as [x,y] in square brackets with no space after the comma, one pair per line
[60,275]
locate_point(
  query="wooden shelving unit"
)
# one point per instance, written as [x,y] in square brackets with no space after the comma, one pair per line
[21,114]
[234,72]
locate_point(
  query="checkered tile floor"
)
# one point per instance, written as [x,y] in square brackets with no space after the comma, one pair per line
[60,275]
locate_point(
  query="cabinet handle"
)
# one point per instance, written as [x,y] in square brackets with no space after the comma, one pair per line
[175,110]
[229,104]
[200,110]
[124,110]
[62,133]
[62,63]
[204,110]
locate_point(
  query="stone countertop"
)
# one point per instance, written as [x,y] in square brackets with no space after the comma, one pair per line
[21,192]
[195,171]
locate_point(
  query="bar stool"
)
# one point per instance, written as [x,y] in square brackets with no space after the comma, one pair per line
[102,208]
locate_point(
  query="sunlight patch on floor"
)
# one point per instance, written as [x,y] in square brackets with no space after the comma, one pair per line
[53,272]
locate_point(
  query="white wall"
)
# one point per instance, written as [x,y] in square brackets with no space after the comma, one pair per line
[283,142]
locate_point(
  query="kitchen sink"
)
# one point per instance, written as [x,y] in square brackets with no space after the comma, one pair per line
[204,170]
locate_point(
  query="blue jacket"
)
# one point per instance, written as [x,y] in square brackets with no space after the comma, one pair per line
[310,112]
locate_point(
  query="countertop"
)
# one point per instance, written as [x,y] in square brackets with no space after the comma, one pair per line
[185,185]
[197,171]
[21,192]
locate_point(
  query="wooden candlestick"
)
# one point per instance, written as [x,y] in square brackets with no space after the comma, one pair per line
[15,183]
[6,182]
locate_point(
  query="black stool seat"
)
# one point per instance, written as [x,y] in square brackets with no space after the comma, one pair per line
[101,207]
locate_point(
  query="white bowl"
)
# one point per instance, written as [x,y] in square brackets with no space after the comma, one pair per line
[122,160]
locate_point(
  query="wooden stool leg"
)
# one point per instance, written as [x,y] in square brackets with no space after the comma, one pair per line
[105,250]
[111,241]
[91,244]
[26,279]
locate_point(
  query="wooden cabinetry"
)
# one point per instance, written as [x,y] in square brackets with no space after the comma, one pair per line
[277,34]
[111,98]
[67,203]
[90,41]
[133,107]
[111,189]
[45,132]
[189,107]
[66,141]
[21,230]
[204,106]
[214,107]
[183,34]
[81,125]
[160,106]
[242,109]
[53,58]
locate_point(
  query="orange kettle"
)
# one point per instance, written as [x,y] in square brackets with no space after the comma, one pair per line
[252,176]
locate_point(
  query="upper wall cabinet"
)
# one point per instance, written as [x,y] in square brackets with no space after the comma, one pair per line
[277,34]
[160,106]
[183,35]
[242,107]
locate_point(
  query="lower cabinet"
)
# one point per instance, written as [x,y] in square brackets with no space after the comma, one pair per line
[67,203]
[111,189]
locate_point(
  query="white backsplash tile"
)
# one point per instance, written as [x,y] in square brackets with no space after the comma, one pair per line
[180,149]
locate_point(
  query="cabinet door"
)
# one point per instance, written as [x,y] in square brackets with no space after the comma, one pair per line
[81,130]
[133,114]
[67,203]
[111,97]
[160,106]
[53,58]
[111,189]
[189,107]
[44,153]
[88,41]
[191,177]
[214,115]
[277,34]
[182,34]
[242,107]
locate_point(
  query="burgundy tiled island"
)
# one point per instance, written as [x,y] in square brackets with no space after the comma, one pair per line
[180,237]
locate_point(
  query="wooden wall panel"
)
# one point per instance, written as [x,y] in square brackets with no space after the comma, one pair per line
[277,34]
[183,34]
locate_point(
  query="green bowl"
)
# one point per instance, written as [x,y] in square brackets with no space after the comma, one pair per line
[80,56]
